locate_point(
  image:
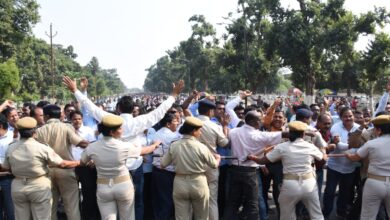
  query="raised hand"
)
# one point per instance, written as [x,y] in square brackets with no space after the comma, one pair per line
[69,83]
[177,88]
[244,94]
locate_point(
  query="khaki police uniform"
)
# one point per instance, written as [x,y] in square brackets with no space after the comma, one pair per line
[299,182]
[212,136]
[60,137]
[31,188]
[377,186]
[190,189]
[115,190]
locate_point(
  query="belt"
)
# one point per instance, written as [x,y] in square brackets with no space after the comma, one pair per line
[377,177]
[28,179]
[115,180]
[289,176]
[189,176]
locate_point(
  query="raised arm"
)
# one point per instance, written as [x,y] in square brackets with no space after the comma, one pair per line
[143,122]
[384,99]
[229,108]
[96,112]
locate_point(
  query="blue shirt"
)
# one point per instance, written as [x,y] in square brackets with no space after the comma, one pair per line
[223,151]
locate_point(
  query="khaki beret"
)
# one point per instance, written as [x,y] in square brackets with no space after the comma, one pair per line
[381,120]
[112,121]
[297,126]
[26,123]
[194,122]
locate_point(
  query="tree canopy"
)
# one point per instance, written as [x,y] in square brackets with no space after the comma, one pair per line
[315,41]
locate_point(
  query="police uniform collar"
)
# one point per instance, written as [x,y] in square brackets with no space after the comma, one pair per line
[53,120]
[187,136]
[204,117]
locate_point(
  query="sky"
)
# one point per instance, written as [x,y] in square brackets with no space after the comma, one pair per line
[130,35]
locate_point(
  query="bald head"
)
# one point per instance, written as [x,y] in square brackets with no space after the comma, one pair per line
[253,118]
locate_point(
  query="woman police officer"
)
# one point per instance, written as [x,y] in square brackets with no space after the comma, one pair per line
[28,161]
[191,158]
[299,182]
[377,186]
[115,190]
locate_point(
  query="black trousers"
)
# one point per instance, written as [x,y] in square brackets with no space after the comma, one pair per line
[89,208]
[243,190]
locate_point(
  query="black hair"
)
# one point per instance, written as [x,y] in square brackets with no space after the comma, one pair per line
[293,135]
[29,105]
[126,104]
[168,118]
[43,103]
[187,129]
[219,103]
[344,110]
[239,107]
[52,111]
[77,112]
[7,111]
[203,109]
[385,129]
[3,122]
[251,117]
[32,112]
[69,105]
[313,105]
[106,130]
[26,133]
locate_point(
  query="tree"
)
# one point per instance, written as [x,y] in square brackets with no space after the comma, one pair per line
[9,78]
[17,18]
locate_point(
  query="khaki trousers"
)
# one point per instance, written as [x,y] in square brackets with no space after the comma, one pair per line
[212,180]
[66,186]
[32,198]
[293,191]
[116,197]
[191,197]
[374,192]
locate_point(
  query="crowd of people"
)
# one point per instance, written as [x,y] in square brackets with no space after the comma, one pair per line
[194,157]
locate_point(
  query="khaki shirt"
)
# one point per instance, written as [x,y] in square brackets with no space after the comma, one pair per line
[189,156]
[109,155]
[59,136]
[296,156]
[317,139]
[29,158]
[378,154]
[212,134]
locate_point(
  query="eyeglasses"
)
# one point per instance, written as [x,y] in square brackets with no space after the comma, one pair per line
[172,112]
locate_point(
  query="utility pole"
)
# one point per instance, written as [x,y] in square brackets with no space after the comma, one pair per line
[51,36]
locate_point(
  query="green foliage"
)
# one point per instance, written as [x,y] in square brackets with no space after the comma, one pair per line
[28,75]
[316,42]
[9,79]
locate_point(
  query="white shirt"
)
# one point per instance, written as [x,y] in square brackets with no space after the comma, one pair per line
[247,140]
[87,134]
[342,164]
[4,143]
[229,108]
[131,126]
[166,136]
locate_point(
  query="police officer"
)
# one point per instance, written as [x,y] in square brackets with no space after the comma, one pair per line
[191,160]
[115,190]
[28,159]
[299,182]
[377,186]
